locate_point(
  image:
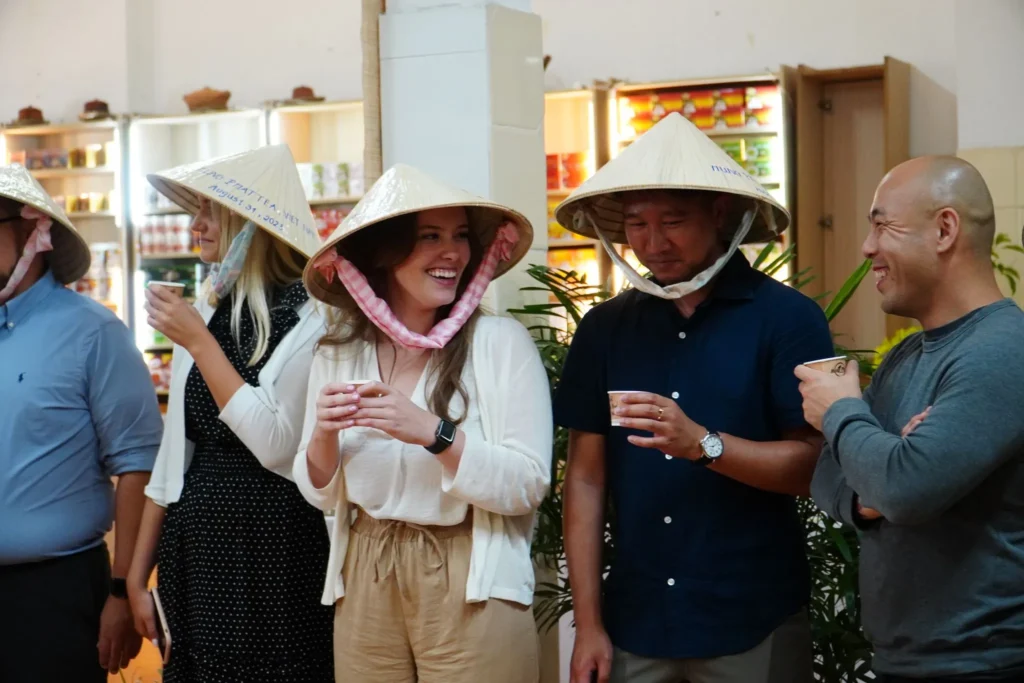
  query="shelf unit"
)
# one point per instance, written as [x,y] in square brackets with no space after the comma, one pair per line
[572,125]
[326,140]
[79,165]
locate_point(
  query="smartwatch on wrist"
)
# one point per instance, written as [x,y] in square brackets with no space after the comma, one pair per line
[444,437]
[119,589]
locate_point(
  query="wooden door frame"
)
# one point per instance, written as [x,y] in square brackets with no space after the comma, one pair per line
[805,86]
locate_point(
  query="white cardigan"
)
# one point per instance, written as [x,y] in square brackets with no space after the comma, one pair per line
[266,418]
[504,475]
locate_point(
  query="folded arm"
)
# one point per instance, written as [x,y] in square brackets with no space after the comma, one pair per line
[975,425]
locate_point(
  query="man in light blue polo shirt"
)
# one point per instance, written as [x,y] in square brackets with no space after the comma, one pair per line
[77,408]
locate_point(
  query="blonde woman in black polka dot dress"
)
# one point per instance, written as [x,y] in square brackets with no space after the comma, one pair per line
[239,554]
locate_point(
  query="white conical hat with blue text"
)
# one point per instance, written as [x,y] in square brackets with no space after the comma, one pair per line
[673,155]
[261,185]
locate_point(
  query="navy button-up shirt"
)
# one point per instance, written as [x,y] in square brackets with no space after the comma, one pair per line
[77,407]
[704,566]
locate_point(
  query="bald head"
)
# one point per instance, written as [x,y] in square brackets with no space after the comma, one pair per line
[932,183]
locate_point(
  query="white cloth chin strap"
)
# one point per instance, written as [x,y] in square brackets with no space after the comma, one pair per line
[679,289]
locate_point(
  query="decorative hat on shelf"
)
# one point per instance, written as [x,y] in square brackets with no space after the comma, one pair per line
[70,256]
[673,155]
[506,236]
[95,110]
[261,185]
[29,116]
[207,99]
[304,93]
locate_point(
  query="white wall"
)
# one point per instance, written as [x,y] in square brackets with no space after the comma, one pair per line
[260,49]
[989,56]
[57,55]
[646,40]
[257,49]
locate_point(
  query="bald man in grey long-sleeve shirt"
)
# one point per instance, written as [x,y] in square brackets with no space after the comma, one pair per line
[929,463]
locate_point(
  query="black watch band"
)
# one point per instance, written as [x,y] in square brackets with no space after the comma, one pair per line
[444,437]
[119,588]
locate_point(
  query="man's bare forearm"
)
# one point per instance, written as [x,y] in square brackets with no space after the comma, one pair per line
[583,525]
[130,498]
[777,466]
[583,521]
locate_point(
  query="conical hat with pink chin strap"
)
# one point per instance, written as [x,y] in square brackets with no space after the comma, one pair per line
[505,233]
[69,256]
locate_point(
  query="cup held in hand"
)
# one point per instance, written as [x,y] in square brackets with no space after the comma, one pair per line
[177,288]
[833,366]
[358,383]
[613,402]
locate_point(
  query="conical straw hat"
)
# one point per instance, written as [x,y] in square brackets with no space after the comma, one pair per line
[402,190]
[71,256]
[261,185]
[673,155]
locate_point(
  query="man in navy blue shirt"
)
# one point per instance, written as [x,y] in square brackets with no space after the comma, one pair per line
[709,583]
[77,408]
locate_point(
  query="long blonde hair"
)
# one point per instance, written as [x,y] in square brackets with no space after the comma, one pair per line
[269,263]
[376,253]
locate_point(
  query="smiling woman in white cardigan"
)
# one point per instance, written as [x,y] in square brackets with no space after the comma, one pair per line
[428,430]
[240,554]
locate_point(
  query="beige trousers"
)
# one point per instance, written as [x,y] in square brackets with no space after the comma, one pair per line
[404,617]
[783,657]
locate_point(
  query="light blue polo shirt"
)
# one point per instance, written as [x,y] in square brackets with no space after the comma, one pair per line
[77,407]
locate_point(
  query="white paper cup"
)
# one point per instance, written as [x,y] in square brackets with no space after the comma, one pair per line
[833,366]
[613,403]
[172,287]
[358,383]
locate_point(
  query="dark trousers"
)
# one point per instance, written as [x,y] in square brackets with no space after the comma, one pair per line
[50,619]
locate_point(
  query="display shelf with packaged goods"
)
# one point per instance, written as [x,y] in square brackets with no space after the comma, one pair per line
[78,164]
[326,140]
[570,137]
[747,116]
[164,245]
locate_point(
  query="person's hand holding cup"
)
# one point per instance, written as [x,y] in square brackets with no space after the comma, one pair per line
[178,320]
[825,381]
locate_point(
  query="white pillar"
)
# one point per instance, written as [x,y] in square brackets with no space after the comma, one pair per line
[462,96]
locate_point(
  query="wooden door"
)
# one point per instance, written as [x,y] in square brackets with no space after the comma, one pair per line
[851,126]
[853,163]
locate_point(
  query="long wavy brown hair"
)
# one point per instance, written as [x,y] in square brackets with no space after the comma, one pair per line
[376,251]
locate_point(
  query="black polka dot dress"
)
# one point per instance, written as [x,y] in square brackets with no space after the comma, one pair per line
[242,556]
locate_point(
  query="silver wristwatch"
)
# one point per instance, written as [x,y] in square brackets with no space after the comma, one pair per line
[711,448]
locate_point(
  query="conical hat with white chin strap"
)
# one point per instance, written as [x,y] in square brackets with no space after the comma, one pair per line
[70,257]
[261,185]
[672,155]
[402,190]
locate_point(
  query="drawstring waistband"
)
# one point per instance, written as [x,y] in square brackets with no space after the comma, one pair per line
[391,533]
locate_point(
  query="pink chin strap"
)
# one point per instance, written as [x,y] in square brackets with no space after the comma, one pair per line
[38,242]
[377,310]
